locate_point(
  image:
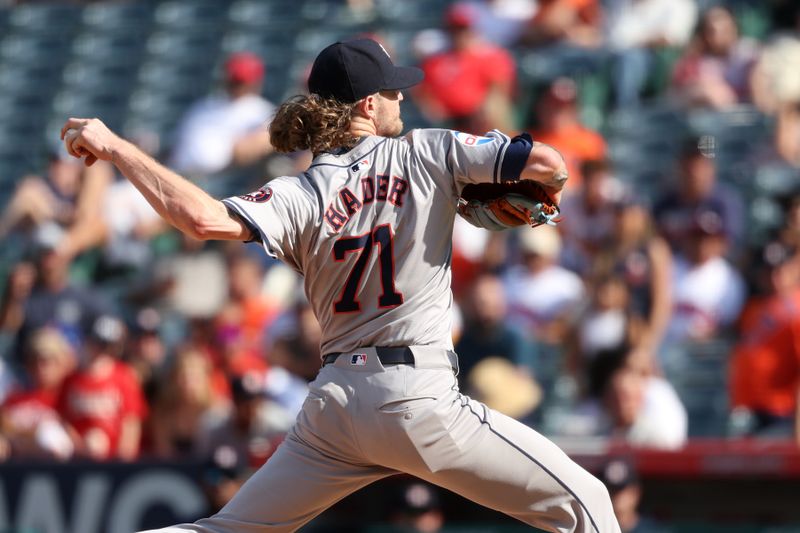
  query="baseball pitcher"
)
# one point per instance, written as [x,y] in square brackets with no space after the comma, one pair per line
[369,226]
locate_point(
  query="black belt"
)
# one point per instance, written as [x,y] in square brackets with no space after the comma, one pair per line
[388,355]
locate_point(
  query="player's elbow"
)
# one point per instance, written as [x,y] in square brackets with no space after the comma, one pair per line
[547,159]
[546,166]
[203,224]
[214,222]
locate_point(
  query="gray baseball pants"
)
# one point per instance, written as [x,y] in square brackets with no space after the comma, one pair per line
[362,422]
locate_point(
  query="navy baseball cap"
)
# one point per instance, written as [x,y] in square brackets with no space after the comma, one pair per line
[350,70]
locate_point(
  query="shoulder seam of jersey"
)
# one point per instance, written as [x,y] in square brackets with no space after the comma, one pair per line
[350,164]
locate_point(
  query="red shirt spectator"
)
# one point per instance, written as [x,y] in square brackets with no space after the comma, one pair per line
[26,408]
[97,403]
[460,80]
[471,84]
[765,374]
[103,402]
[28,416]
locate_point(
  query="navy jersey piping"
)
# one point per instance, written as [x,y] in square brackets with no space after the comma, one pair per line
[501,152]
[349,164]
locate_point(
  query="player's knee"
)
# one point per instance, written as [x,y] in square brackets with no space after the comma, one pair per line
[596,499]
[600,492]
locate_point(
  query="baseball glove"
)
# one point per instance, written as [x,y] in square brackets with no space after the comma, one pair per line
[499,206]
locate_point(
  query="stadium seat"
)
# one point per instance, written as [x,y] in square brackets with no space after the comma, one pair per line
[186,45]
[310,42]
[21,78]
[257,14]
[333,15]
[117,16]
[41,50]
[776,179]
[112,48]
[44,17]
[540,66]
[417,15]
[699,372]
[190,13]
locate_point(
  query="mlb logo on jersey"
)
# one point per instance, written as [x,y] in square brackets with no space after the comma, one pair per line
[358,359]
[357,166]
[471,140]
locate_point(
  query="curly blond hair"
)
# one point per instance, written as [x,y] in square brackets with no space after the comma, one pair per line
[312,123]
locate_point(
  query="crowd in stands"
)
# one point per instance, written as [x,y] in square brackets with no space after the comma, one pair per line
[123,339]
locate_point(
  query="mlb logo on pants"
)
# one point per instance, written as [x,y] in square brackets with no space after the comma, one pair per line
[358,359]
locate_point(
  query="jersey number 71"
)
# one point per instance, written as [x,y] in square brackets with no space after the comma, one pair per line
[382,236]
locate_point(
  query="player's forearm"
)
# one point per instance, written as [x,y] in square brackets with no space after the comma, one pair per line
[178,201]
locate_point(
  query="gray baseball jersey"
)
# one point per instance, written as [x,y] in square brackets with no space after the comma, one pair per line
[371,231]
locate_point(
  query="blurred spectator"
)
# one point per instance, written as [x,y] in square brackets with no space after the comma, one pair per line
[716,68]
[787,133]
[607,322]
[630,403]
[775,83]
[222,478]
[487,333]
[53,299]
[226,130]
[474,251]
[415,508]
[765,377]
[790,232]
[469,86]
[568,22]
[145,351]
[295,338]
[643,262]
[620,478]
[243,318]
[697,189]
[191,282]
[186,402]
[502,21]
[637,28]
[102,402]
[708,292]
[558,124]
[542,295]
[130,223]
[69,195]
[591,215]
[248,435]
[28,417]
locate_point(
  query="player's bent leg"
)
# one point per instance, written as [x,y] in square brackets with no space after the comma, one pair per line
[510,467]
[499,462]
[296,484]
[314,467]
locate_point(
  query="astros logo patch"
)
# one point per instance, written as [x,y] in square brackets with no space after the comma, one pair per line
[260,196]
[358,359]
[471,140]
